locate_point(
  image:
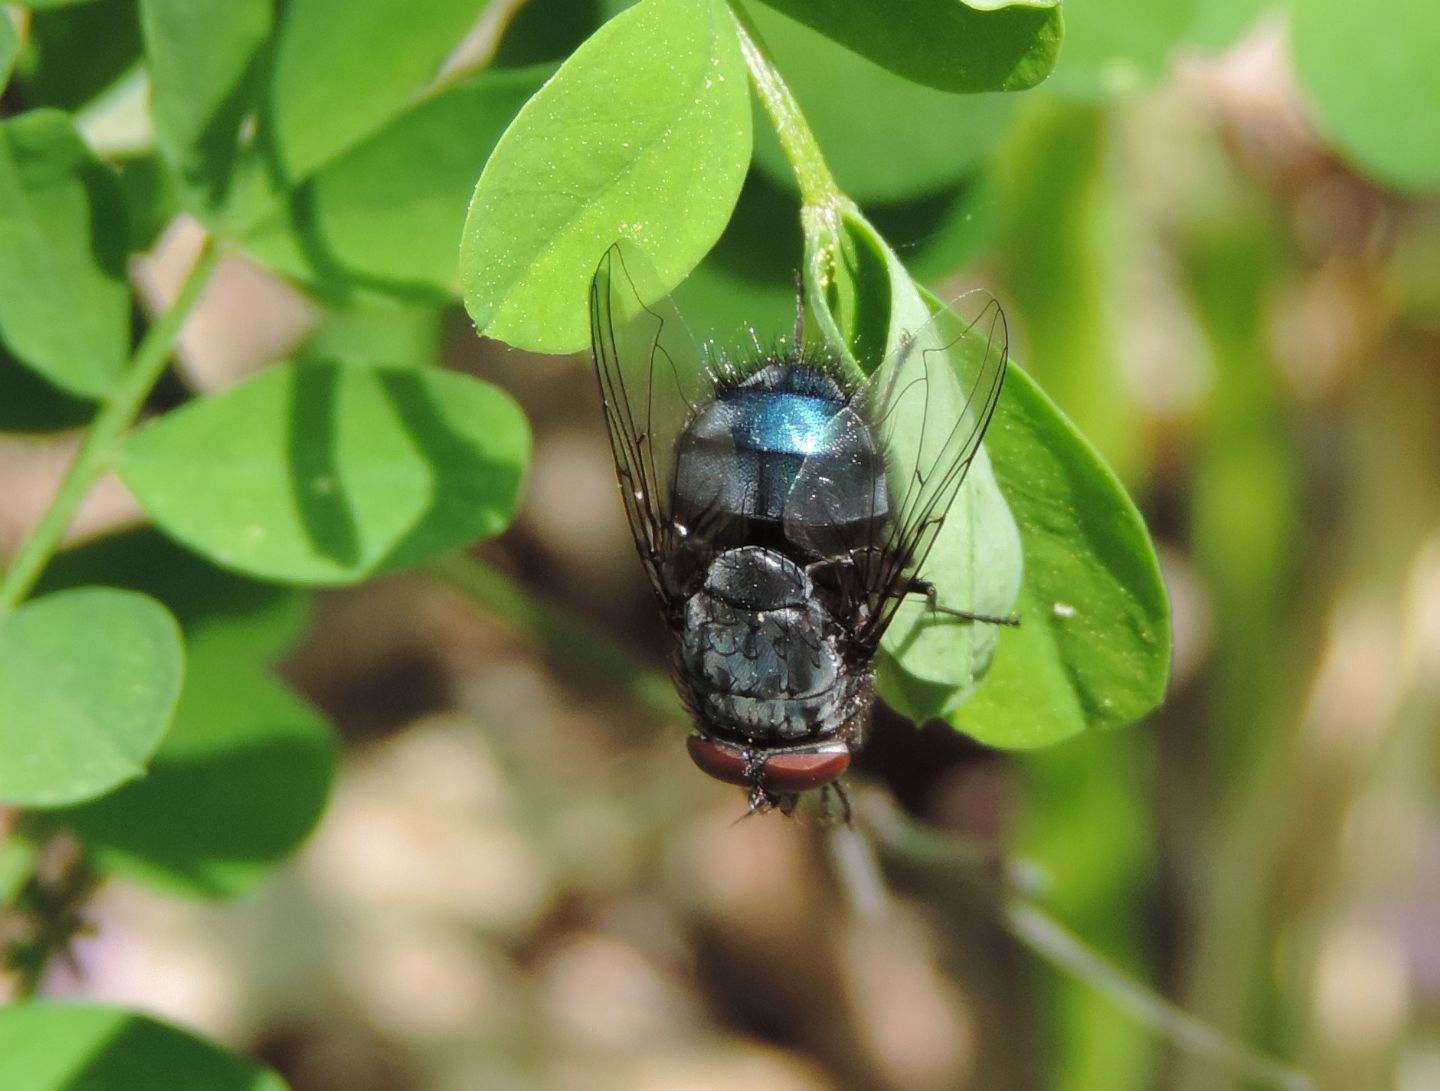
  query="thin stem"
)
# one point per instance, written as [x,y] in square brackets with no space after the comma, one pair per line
[1055,943]
[102,440]
[569,640]
[817,184]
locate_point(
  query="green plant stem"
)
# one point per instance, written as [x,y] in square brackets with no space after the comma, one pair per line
[102,440]
[817,184]
[569,640]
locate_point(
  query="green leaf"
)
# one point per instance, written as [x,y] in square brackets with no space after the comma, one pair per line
[1116,46]
[205,58]
[386,216]
[31,404]
[64,304]
[46,1046]
[943,233]
[152,197]
[546,30]
[191,826]
[343,69]
[317,473]
[248,623]
[9,47]
[1371,72]
[1093,646]
[378,331]
[946,44]
[885,138]
[643,134]
[88,682]
[1218,24]
[74,52]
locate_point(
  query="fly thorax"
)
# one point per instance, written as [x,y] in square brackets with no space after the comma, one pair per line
[761,654]
[782,449]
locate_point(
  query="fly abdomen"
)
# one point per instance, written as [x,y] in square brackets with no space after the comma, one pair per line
[760,653]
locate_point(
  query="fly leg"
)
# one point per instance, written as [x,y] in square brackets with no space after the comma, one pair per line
[846,815]
[926,588]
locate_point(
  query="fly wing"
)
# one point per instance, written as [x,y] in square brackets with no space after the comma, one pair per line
[928,406]
[652,379]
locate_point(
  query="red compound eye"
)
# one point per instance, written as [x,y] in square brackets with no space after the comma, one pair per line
[784,772]
[721,760]
[801,770]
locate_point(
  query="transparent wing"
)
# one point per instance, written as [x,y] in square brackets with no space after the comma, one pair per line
[652,379]
[927,406]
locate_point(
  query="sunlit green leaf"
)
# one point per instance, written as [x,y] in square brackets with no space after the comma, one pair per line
[317,473]
[240,780]
[387,215]
[1371,72]
[954,46]
[191,825]
[378,331]
[205,58]
[88,682]
[344,69]
[1093,646]
[643,134]
[64,304]
[66,1047]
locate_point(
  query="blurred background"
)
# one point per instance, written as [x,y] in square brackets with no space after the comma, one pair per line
[521,881]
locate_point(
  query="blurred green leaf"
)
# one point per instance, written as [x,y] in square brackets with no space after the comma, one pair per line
[46,1046]
[1065,213]
[64,304]
[247,622]
[88,682]
[1371,72]
[1117,46]
[205,58]
[317,473]
[547,31]
[151,196]
[31,404]
[643,134]
[377,331]
[1093,646]
[940,234]
[386,216]
[1217,24]
[344,69]
[947,44]
[75,52]
[240,780]
[885,138]
[9,47]
[191,826]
